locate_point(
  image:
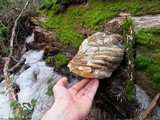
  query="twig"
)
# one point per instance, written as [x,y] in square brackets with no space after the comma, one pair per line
[7,62]
[14,59]
[22,60]
[151,107]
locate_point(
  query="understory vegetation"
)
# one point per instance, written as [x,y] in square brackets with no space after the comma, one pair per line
[148,56]
[68,24]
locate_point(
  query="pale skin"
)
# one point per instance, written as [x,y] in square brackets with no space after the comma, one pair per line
[73,103]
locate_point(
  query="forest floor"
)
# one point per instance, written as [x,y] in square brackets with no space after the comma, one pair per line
[62,32]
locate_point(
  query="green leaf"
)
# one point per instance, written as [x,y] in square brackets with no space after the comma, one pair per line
[15,105]
[25,112]
[33,102]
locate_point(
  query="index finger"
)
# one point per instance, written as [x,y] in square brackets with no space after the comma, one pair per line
[78,86]
[92,90]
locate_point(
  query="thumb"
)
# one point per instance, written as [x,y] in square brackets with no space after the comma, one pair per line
[59,88]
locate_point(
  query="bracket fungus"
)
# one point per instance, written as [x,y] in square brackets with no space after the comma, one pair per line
[98,56]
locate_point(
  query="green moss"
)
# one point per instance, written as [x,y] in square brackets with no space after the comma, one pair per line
[127,25]
[49,59]
[127,29]
[142,62]
[148,61]
[48,2]
[61,60]
[52,5]
[68,24]
[153,73]
[148,40]
[129,43]
[130,90]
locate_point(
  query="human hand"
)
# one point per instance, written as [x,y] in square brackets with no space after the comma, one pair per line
[73,103]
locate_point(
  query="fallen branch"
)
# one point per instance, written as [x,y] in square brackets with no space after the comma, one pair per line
[151,107]
[7,62]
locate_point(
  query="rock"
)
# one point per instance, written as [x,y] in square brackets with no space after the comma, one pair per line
[98,56]
[146,22]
